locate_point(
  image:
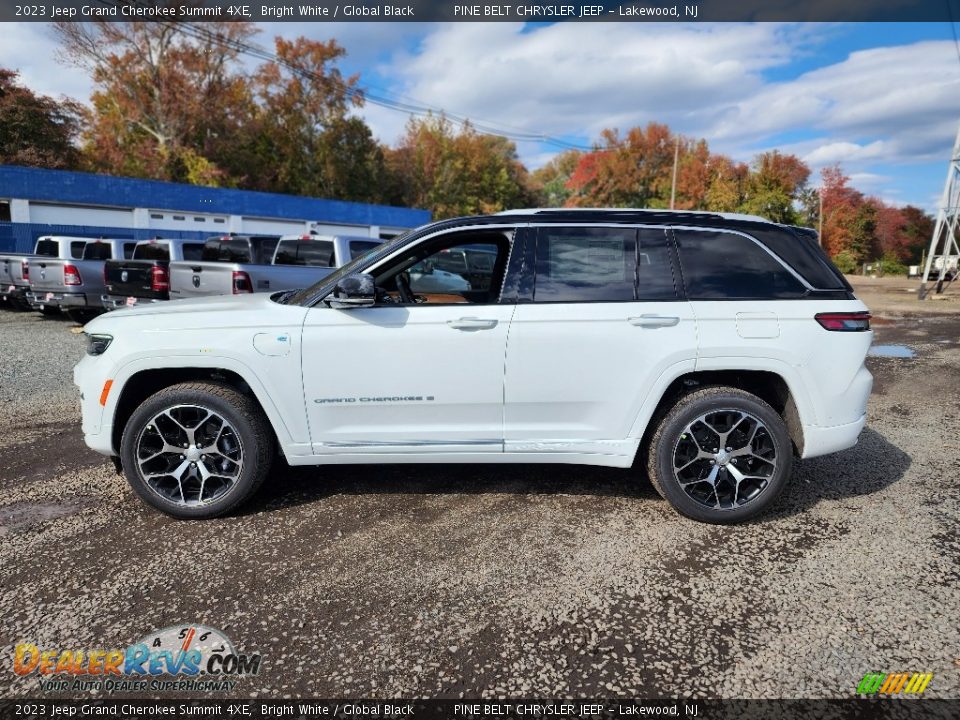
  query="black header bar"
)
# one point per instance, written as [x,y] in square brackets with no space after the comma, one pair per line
[483,10]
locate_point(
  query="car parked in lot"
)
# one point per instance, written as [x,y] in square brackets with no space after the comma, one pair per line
[145,276]
[15,268]
[731,347]
[75,286]
[231,265]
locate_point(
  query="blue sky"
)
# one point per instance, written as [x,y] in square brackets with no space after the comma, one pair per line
[883,100]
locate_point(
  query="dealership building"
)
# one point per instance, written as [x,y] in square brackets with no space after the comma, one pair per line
[35,202]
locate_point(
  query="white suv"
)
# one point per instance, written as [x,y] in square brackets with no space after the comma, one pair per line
[708,349]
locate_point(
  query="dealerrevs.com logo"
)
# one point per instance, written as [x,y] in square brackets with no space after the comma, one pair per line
[180,657]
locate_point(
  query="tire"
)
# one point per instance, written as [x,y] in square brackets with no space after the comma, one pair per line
[701,481]
[81,317]
[237,438]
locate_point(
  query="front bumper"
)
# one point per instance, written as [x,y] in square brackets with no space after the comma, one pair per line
[89,376]
[115,302]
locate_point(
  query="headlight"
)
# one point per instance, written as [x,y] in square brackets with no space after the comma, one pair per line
[98,344]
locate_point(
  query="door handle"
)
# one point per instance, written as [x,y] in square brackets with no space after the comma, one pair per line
[654,321]
[472,323]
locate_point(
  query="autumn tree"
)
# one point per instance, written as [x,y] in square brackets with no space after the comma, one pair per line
[167,98]
[775,182]
[459,172]
[550,181]
[36,130]
[304,141]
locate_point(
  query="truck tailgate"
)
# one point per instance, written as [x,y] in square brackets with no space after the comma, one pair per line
[133,278]
[46,275]
[199,279]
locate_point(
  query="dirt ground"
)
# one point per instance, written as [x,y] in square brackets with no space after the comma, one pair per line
[506,581]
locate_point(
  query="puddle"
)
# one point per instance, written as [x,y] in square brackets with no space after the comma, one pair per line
[891,351]
[14,517]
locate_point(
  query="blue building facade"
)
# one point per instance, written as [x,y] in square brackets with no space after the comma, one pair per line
[35,202]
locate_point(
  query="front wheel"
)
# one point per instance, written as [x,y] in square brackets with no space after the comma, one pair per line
[197,450]
[720,455]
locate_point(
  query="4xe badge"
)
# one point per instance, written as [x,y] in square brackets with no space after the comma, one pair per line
[180,657]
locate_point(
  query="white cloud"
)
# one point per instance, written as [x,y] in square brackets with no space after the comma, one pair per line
[31,48]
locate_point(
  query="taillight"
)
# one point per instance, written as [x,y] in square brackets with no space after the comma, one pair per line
[241,282]
[71,276]
[25,269]
[844,322]
[159,279]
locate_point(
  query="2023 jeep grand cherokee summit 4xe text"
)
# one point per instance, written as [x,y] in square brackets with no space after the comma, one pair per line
[710,349]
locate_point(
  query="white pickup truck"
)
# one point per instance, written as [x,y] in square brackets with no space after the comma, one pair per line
[707,349]
[15,268]
[75,286]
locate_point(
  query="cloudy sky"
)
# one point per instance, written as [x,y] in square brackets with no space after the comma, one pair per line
[883,100]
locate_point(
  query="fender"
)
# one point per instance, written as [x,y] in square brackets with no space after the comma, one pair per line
[285,431]
[669,375]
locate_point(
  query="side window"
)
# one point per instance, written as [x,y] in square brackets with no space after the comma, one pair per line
[437,272]
[724,266]
[586,265]
[655,278]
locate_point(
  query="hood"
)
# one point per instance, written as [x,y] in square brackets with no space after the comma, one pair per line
[212,312]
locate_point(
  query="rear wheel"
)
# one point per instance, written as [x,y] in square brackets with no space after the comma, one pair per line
[197,450]
[720,455]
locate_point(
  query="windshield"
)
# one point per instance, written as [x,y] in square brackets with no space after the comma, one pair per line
[302,296]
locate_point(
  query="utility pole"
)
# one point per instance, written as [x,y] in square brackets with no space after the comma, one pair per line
[676,161]
[820,218]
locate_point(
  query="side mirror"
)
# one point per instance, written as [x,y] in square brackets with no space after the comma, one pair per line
[357,290]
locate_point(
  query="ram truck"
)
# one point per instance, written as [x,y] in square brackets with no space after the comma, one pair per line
[232,265]
[145,276]
[15,268]
[702,351]
[75,286]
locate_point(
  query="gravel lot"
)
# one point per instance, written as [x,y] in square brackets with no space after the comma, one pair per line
[505,581]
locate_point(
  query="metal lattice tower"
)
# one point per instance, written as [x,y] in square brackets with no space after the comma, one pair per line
[944,244]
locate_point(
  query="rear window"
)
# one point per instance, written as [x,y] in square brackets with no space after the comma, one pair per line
[233,250]
[359,247]
[726,266]
[47,248]
[192,251]
[76,248]
[799,249]
[152,251]
[96,251]
[128,249]
[318,253]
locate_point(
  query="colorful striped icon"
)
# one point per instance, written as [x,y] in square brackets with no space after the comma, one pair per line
[894,683]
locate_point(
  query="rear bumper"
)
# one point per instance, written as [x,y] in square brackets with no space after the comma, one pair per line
[824,440]
[115,302]
[13,292]
[59,299]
